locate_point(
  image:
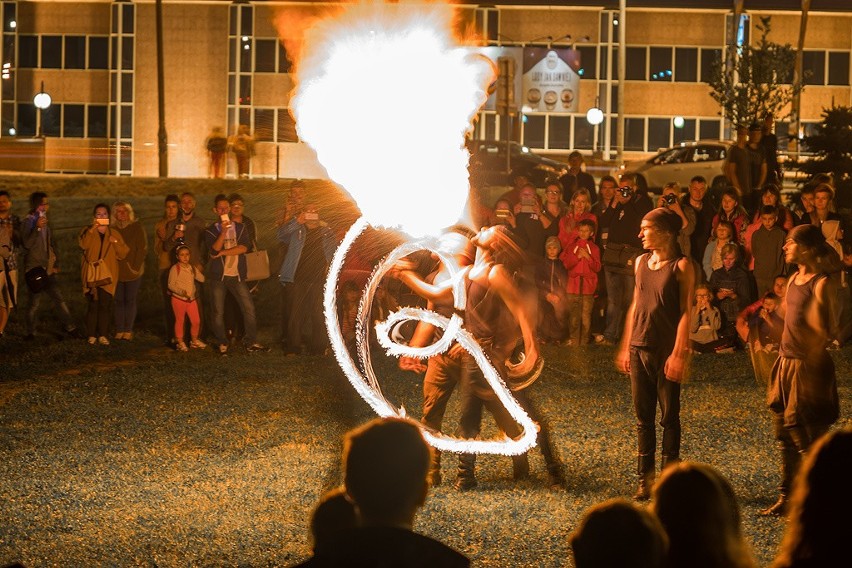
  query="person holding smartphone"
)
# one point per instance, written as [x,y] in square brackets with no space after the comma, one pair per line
[103,248]
[41,260]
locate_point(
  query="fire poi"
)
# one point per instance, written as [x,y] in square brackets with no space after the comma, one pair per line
[362,75]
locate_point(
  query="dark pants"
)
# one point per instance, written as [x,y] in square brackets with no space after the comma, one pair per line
[218,290]
[442,375]
[649,386]
[125,305]
[59,305]
[98,312]
[551,461]
[286,298]
[306,318]
[619,293]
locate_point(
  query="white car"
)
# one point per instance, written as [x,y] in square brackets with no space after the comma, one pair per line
[680,164]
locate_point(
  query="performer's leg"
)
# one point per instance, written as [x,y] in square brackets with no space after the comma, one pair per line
[643,386]
[791,458]
[668,393]
[438,385]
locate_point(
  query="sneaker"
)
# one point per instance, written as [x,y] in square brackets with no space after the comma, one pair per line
[223,349]
[92,340]
[103,340]
[599,338]
[257,347]
[128,336]
[181,346]
[119,335]
[197,344]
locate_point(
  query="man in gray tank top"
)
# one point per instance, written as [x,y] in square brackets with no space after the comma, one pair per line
[802,395]
[655,342]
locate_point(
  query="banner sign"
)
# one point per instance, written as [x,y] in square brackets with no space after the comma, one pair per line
[550,82]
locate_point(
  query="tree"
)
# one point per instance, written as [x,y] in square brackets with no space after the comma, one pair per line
[759,81]
[832,151]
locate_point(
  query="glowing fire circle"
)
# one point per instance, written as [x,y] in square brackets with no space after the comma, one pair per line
[367,384]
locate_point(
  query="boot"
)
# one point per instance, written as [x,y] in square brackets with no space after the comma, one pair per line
[790,460]
[666,461]
[434,477]
[520,467]
[645,468]
[466,479]
[555,478]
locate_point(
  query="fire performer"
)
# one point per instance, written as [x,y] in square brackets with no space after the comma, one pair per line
[802,395]
[655,343]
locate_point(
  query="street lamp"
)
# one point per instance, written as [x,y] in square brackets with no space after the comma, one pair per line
[41,101]
[595,116]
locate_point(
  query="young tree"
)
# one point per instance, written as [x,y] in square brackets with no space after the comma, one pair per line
[759,81]
[831,146]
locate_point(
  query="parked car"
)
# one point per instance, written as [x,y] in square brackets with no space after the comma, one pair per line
[680,164]
[488,163]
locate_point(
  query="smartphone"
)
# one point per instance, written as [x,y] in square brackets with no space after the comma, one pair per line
[311,216]
[180,227]
[224,218]
[102,221]
[501,213]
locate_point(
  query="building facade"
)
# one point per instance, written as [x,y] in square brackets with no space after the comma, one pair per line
[226,64]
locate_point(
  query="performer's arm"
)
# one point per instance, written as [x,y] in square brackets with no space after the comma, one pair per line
[622,356]
[442,292]
[675,368]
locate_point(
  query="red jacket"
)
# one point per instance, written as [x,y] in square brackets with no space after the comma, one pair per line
[582,272]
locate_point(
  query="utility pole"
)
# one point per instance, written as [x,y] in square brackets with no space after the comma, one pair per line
[796,114]
[622,71]
[162,137]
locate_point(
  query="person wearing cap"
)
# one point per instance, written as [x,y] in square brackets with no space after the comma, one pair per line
[575,178]
[655,343]
[802,394]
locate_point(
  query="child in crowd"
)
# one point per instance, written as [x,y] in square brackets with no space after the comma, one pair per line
[765,242]
[724,234]
[704,322]
[552,281]
[731,210]
[764,334]
[182,277]
[731,288]
[582,258]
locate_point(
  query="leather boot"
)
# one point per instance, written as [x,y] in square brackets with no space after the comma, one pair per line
[666,461]
[645,469]
[790,460]
[520,467]
[434,477]
[467,472]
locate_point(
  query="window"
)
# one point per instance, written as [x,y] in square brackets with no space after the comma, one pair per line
[661,63]
[658,133]
[127,87]
[584,133]
[534,131]
[51,124]
[634,133]
[286,127]
[685,133]
[246,20]
[27,52]
[51,52]
[283,61]
[98,53]
[127,18]
[264,55]
[813,67]
[710,59]
[126,121]
[708,153]
[9,49]
[8,119]
[636,57]
[603,66]
[73,121]
[264,124]
[686,64]
[127,53]
[26,119]
[588,61]
[709,129]
[838,68]
[75,52]
[673,156]
[559,133]
[96,121]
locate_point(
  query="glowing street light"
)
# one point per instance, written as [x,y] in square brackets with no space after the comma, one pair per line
[595,116]
[41,101]
[678,122]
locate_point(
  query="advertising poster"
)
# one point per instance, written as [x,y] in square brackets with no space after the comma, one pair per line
[494,53]
[550,81]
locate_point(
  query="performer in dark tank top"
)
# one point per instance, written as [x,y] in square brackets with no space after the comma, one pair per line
[655,342]
[802,395]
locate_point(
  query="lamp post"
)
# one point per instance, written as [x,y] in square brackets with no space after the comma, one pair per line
[595,116]
[41,101]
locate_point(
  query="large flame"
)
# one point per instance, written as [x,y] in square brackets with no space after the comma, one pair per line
[385,95]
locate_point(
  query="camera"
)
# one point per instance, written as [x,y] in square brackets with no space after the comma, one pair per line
[670,198]
[311,216]
[102,221]
[625,191]
[501,213]
[224,218]
[527,205]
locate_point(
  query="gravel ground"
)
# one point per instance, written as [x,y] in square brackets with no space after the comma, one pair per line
[136,455]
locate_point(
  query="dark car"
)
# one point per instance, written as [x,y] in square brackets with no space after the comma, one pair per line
[488,164]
